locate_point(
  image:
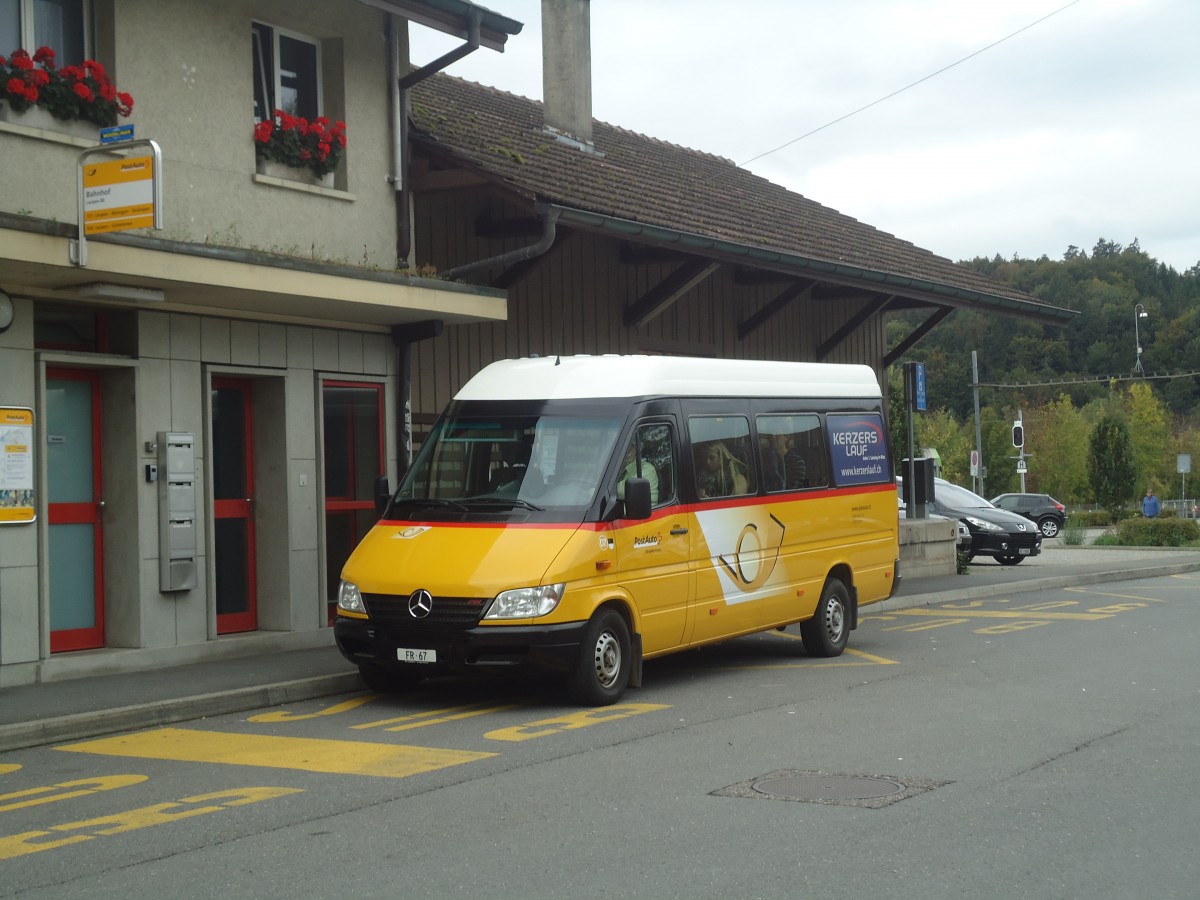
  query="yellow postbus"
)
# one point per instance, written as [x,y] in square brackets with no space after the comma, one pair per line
[583,514]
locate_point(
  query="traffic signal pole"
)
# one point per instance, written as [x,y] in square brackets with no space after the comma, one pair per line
[1018,439]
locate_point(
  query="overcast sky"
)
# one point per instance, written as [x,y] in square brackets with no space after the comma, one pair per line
[1083,126]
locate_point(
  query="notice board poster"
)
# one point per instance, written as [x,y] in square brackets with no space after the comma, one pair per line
[16,465]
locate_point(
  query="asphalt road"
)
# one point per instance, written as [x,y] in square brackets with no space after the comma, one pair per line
[1038,745]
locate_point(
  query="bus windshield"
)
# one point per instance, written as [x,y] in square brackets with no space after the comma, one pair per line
[489,463]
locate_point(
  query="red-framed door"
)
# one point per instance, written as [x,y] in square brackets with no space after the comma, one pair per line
[75,509]
[353,427]
[233,506]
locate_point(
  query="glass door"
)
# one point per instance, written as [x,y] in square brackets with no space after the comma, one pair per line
[233,506]
[76,538]
[353,421]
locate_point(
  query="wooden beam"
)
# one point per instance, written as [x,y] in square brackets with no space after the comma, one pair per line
[524,226]
[848,328]
[640,255]
[772,307]
[832,292]
[919,332]
[666,292]
[745,276]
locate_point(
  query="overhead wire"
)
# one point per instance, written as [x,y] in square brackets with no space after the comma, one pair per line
[921,80]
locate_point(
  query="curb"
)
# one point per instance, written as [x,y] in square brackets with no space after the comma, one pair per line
[1050,582]
[167,712]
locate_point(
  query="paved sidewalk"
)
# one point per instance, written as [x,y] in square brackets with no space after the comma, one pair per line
[37,714]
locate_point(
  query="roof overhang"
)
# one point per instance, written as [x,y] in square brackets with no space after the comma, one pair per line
[453,17]
[200,279]
[817,269]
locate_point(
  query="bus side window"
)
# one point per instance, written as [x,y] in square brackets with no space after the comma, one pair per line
[790,451]
[723,462]
[651,455]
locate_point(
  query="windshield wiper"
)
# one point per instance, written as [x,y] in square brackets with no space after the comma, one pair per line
[431,501]
[506,501]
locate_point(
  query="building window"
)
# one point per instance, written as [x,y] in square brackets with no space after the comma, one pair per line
[287,73]
[57,24]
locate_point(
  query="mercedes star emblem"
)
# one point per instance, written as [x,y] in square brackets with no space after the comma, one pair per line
[420,604]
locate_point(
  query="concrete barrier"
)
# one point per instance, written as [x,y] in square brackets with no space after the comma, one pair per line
[927,547]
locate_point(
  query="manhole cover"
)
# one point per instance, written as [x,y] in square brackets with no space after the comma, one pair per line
[833,789]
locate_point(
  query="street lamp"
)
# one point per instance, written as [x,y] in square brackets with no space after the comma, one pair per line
[1139,312]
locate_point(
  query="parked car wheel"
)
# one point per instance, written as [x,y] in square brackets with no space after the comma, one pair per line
[1049,526]
[1008,559]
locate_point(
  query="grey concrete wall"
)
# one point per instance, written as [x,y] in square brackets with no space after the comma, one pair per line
[928,547]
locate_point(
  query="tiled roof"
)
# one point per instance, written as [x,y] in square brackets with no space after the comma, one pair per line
[662,185]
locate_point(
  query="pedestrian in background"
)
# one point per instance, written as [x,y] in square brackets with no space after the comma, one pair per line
[1150,505]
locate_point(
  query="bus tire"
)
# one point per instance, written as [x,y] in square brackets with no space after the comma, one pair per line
[605,660]
[384,680]
[827,632]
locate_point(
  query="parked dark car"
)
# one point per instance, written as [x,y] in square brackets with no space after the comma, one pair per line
[1005,536]
[1050,515]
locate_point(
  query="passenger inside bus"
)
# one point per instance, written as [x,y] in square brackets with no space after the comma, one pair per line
[772,451]
[629,469]
[718,472]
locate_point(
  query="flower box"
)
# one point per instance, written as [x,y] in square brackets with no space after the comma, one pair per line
[273,169]
[37,117]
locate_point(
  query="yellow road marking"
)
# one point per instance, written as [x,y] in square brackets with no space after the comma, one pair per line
[880,660]
[436,716]
[302,754]
[5,768]
[572,721]
[872,658]
[67,790]
[1117,596]
[159,814]
[284,715]
[1004,614]
[908,627]
[1044,607]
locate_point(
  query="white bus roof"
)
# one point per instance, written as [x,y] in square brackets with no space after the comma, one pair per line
[583,377]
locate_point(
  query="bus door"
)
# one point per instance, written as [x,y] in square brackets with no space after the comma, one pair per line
[735,541]
[653,554]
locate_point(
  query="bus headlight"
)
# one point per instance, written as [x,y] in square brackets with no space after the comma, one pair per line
[350,598]
[525,603]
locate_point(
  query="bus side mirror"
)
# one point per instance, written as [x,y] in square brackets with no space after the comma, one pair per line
[637,498]
[383,494]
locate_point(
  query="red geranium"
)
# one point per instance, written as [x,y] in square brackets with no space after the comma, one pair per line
[83,92]
[294,141]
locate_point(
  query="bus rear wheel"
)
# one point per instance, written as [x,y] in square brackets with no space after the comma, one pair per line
[827,632]
[605,661]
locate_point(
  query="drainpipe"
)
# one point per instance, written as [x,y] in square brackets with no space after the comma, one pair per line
[398,87]
[549,216]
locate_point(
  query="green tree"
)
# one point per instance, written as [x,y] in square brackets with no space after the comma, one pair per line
[941,431]
[1111,466]
[1151,433]
[1054,435]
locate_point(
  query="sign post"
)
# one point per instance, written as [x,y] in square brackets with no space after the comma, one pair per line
[117,194]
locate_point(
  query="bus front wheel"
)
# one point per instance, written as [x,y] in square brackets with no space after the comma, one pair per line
[605,660]
[827,632]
